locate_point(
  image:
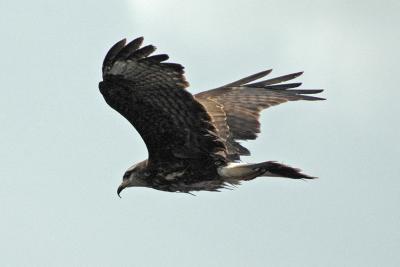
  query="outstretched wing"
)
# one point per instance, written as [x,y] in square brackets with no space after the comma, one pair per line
[235,107]
[151,95]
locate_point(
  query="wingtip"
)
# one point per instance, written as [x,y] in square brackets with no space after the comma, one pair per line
[122,42]
[297,74]
[137,42]
[317,98]
[112,53]
[139,39]
[261,74]
[266,72]
[309,178]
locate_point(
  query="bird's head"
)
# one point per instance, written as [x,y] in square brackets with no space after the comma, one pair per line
[134,176]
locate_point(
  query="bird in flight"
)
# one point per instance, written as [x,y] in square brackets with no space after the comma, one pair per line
[193,141]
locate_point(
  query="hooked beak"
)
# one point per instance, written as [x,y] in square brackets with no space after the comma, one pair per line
[120,188]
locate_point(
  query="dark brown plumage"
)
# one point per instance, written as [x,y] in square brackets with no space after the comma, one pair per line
[192,140]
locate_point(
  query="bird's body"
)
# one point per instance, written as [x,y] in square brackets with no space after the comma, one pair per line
[192,139]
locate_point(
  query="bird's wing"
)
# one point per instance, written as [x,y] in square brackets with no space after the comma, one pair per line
[235,107]
[151,95]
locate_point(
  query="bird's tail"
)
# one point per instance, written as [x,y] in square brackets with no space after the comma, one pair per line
[246,172]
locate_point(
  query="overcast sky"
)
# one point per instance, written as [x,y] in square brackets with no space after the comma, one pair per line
[64,151]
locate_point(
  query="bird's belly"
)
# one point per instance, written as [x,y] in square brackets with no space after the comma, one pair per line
[187,178]
[212,185]
[181,181]
[174,175]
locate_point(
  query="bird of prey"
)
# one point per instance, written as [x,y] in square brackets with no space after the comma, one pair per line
[193,141]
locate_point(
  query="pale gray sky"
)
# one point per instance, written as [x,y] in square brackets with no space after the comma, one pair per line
[64,150]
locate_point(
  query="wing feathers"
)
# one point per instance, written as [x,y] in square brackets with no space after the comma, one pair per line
[242,102]
[151,96]
[248,79]
[142,52]
[158,58]
[130,48]
[173,66]
[307,91]
[148,92]
[112,53]
[276,80]
[281,86]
